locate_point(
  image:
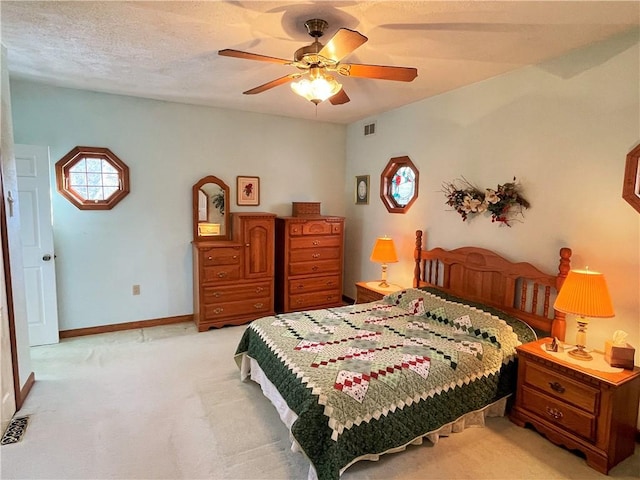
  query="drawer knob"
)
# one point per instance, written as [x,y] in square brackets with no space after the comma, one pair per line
[330,283]
[316,242]
[314,268]
[315,255]
[210,258]
[554,412]
[218,310]
[258,305]
[235,257]
[259,289]
[222,274]
[556,387]
[216,294]
[300,285]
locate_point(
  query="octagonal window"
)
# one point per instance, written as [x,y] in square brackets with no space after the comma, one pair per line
[399,184]
[92,178]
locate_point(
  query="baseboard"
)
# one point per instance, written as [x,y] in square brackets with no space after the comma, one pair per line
[24,391]
[79,332]
[348,300]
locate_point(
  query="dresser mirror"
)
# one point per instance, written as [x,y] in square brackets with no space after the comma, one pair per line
[210,209]
[399,185]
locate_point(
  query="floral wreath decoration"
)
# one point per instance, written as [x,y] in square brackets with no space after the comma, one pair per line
[503,203]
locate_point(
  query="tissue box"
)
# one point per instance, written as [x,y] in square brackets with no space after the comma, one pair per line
[619,355]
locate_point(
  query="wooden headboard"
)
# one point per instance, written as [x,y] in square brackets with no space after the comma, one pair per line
[479,275]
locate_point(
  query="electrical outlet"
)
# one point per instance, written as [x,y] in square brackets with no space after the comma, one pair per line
[136,290]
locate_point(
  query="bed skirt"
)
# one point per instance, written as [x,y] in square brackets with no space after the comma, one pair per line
[249,368]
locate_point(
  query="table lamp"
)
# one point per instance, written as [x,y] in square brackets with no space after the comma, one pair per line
[584,293]
[384,252]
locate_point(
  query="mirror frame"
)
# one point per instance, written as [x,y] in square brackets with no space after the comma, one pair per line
[631,185]
[227,218]
[386,177]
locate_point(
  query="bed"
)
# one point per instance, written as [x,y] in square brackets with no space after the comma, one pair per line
[354,382]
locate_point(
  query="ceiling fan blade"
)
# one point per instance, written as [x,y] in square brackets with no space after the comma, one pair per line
[400,74]
[342,44]
[228,52]
[272,83]
[340,98]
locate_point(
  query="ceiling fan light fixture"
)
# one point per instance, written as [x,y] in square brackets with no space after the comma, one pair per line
[317,88]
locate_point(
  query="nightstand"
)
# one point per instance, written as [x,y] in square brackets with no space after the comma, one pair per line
[584,409]
[371,291]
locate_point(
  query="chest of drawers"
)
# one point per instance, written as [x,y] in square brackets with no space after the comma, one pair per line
[573,405]
[309,256]
[233,280]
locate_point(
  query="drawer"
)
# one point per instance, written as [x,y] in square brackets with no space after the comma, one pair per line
[220,273]
[231,309]
[315,227]
[559,413]
[315,241]
[220,256]
[314,284]
[561,387]
[320,266]
[364,295]
[231,293]
[316,299]
[312,254]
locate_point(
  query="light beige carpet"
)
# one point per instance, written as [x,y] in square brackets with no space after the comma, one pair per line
[167,403]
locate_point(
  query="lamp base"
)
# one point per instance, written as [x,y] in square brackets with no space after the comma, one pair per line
[383,284]
[580,354]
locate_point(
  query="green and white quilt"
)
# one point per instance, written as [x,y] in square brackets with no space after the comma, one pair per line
[367,378]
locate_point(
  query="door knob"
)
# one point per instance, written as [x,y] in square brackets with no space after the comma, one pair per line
[46,257]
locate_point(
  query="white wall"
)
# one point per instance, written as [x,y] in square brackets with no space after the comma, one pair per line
[7,390]
[16,265]
[146,238]
[562,128]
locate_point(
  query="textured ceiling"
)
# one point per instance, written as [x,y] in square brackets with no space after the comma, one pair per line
[168,50]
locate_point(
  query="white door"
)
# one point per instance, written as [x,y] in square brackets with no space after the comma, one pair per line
[36,232]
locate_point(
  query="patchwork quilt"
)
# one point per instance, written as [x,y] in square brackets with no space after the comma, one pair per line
[367,378]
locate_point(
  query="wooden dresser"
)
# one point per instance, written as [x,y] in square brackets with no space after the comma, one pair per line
[309,256]
[234,279]
[573,405]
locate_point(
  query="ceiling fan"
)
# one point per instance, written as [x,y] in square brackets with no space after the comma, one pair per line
[314,61]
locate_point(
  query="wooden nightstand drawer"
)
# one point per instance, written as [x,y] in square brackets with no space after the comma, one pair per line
[570,418]
[372,291]
[562,387]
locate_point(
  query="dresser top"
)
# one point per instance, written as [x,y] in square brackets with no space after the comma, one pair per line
[304,218]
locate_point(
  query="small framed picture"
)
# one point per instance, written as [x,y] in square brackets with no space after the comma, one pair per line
[362,189]
[248,191]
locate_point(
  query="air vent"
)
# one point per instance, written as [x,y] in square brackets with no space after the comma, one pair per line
[370,129]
